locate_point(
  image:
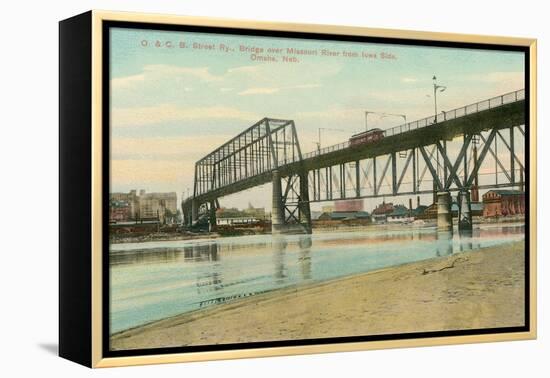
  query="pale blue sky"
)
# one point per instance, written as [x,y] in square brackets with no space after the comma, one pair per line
[170,106]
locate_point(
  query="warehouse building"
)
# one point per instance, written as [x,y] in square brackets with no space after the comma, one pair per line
[503,202]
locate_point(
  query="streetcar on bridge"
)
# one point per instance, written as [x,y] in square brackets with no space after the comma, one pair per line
[366,137]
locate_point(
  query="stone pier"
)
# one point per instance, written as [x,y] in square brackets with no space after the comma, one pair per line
[194,211]
[212,216]
[444,215]
[305,211]
[444,243]
[464,211]
[277,207]
[184,214]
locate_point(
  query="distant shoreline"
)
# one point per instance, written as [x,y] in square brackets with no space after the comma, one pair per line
[162,236]
[469,290]
[173,236]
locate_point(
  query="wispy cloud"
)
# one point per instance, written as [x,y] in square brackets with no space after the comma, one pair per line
[271,90]
[127,81]
[202,73]
[160,148]
[139,116]
[149,173]
[156,71]
[499,77]
[255,91]
[336,114]
[244,69]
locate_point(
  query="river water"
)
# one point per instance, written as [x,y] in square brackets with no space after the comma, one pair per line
[155,280]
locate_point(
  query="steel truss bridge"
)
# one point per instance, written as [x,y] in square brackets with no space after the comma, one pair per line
[478,146]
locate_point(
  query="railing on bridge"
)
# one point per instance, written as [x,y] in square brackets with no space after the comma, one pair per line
[273,143]
[441,117]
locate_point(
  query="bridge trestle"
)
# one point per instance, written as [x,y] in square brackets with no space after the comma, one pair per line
[476,147]
[290,212]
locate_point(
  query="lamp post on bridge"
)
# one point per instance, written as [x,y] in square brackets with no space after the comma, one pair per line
[443,198]
[367,119]
[437,88]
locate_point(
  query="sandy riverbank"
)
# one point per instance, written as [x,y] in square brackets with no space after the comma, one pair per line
[480,289]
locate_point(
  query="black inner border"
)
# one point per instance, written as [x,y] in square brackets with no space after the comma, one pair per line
[106,25]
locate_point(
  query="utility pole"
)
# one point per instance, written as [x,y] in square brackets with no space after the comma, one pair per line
[319,135]
[367,120]
[382,115]
[437,88]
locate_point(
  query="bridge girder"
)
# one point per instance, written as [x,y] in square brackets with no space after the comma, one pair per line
[449,166]
[264,146]
[410,159]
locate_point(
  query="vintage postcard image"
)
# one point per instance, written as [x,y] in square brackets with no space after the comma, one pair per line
[283,189]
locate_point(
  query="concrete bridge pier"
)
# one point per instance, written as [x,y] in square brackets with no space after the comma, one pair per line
[186,217]
[184,214]
[305,211]
[444,214]
[277,207]
[444,243]
[194,211]
[464,212]
[212,216]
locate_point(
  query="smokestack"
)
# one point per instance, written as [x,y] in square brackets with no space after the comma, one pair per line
[417,201]
[410,206]
[475,194]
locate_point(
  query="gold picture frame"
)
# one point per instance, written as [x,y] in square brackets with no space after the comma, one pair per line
[82,181]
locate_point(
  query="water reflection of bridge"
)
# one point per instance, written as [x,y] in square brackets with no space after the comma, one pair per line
[290,259]
[438,154]
[213,251]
